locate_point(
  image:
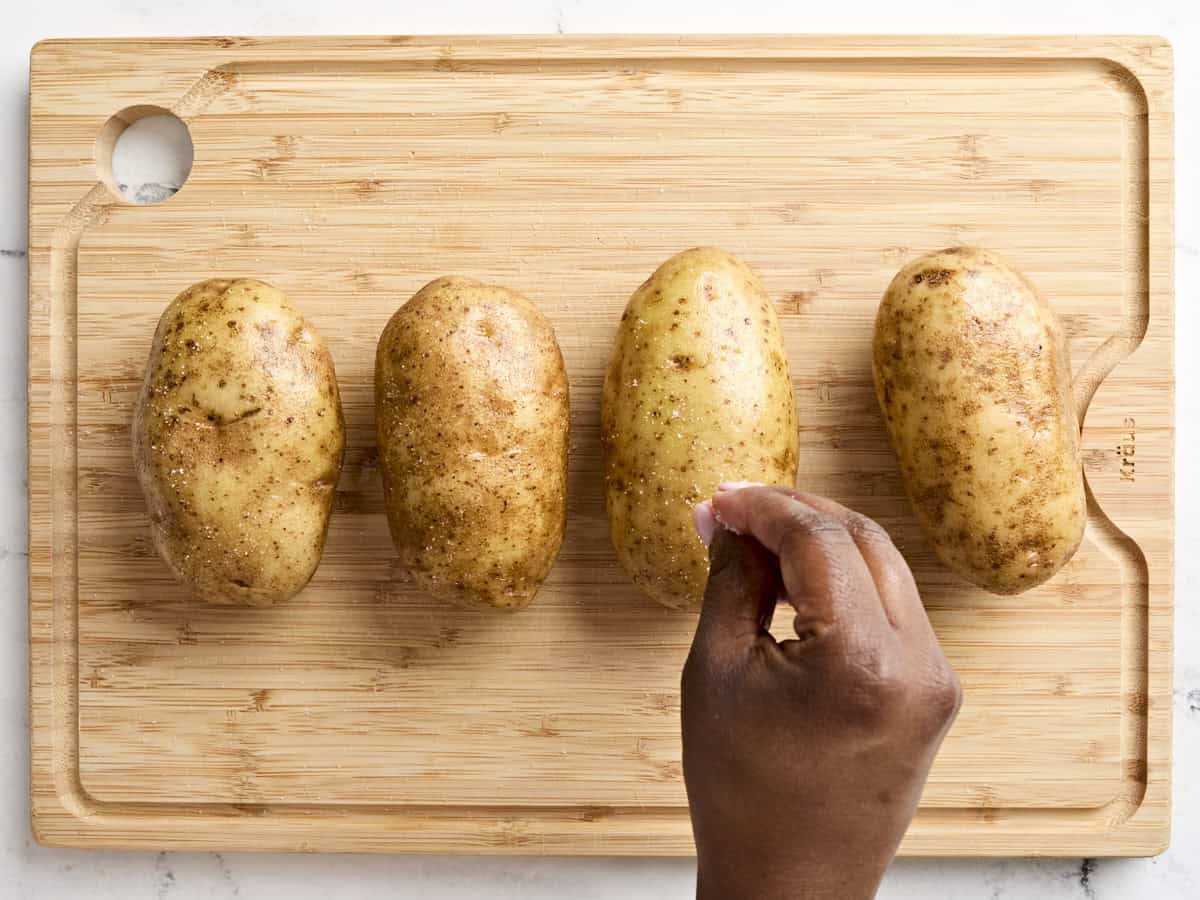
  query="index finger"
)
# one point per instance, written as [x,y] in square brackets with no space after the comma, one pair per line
[825,577]
[893,578]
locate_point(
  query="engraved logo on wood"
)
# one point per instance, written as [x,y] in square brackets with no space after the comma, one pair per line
[1126,450]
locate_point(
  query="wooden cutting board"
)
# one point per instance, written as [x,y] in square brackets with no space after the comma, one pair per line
[362,716]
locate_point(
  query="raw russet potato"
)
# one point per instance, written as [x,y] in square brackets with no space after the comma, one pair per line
[237,442]
[697,392]
[471,405]
[972,375]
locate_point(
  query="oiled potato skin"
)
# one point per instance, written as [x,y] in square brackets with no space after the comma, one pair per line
[972,375]
[471,402]
[697,392]
[238,439]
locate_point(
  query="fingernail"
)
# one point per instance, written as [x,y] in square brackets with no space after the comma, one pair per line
[706,521]
[737,485]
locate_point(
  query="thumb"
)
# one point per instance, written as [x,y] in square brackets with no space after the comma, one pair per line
[743,586]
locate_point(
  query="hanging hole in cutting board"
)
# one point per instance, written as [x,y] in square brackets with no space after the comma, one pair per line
[144,154]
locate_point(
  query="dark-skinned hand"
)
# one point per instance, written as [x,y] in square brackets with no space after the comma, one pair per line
[805,758]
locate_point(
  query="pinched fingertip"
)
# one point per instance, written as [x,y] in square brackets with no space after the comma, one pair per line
[725,486]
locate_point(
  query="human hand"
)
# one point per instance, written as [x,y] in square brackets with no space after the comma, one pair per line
[804,759]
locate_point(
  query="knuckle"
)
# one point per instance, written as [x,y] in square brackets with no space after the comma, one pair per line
[804,526]
[952,695]
[943,694]
[866,528]
[881,687]
[877,689]
[868,704]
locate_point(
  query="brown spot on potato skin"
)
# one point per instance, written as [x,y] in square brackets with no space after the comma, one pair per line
[684,408]
[933,277]
[971,373]
[239,502]
[471,399]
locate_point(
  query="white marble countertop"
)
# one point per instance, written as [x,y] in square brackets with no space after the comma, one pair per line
[30,871]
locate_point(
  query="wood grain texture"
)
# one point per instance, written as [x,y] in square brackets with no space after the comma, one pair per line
[350,171]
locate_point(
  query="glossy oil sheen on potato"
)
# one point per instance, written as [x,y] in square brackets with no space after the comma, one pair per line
[471,401]
[237,442]
[972,374]
[697,392]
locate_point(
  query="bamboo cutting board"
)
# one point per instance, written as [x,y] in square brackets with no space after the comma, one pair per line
[348,172]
